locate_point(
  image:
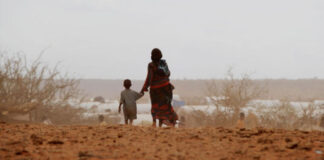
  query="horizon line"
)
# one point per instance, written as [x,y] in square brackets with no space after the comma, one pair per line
[184,79]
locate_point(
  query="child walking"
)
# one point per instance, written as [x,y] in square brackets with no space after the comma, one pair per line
[128,99]
[240,123]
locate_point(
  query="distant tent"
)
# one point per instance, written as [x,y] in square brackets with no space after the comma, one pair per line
[178,103]
[99,99]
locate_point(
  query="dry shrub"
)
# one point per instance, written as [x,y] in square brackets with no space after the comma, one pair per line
[199,118]
[35,87]
[285,116]
[223,118]
[231,96]
[282,116]
[308,117]
[228,98]
[194,100]
[108,118]
[60,114]
[321,121]
[236,93]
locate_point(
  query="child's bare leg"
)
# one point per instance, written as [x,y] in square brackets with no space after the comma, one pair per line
[126,121]
[131,122]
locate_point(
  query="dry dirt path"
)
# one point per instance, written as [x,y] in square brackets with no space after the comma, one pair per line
[30,141]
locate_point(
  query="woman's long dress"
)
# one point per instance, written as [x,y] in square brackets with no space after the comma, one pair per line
[160,94]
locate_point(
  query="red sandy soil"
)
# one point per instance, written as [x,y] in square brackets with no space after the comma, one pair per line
[35,141]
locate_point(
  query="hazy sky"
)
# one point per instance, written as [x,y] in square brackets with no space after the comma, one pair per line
[200,39]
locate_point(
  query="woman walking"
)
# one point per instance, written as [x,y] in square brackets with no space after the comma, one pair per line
[160,90]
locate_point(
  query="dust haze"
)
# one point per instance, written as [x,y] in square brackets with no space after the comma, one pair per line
[247,76]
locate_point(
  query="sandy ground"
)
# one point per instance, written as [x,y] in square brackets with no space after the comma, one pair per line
[30,141]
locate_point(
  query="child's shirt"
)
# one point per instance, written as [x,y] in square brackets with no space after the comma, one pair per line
[128,98]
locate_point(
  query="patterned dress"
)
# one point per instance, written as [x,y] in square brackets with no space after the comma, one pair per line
[160,94]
